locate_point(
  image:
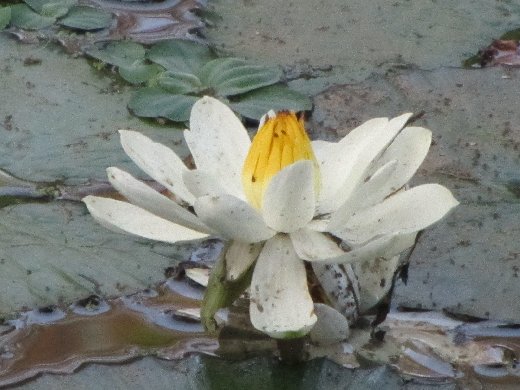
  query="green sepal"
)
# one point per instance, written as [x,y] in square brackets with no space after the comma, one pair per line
[221,292]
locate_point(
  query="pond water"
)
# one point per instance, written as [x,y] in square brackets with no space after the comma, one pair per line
[59,118]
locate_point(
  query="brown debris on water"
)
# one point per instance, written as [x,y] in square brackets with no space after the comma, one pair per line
[152,21]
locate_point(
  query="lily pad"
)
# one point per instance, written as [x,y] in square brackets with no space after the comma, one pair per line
[179,83]
[139,72]
[256,103]
[5,17]
[180,56]
[232,76]
[87,18]
[24,17]
[156,102]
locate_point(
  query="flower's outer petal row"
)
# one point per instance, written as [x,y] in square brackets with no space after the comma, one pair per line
[392,171]
[289,199]
[202,183]
[232,218]
[218,142]
[142,195]
[281,305]
[385,246]
[125,217]
[239,257]
[312,245]
[340,285]
[343,170]
[331,328]
[374,279]
[367,193]
[158,161]
[405,212]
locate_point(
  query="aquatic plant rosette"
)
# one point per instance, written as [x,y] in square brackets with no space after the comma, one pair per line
[279,201]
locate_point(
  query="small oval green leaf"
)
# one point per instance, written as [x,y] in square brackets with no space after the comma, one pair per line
[156,102]
[53,8]
[87,18]
[256,103]
[180,56]
[179,83]
[233,76]
[24,17]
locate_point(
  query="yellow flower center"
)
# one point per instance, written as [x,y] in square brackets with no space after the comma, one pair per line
[281,141]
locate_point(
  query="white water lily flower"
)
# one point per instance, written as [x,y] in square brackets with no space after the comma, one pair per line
[280,200]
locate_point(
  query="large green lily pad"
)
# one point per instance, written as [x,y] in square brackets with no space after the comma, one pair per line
[59,122]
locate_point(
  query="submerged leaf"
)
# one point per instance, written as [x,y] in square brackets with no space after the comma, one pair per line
[256,103]
[24,17]
[232,76]
[180,56]
[5,17]
[87,18]
[156,102]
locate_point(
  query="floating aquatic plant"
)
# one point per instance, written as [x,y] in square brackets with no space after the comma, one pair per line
[172,75]
[279,201]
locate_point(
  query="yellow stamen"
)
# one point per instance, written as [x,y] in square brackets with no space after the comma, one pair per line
[281,141]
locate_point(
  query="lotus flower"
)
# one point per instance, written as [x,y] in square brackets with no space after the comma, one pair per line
[280,200]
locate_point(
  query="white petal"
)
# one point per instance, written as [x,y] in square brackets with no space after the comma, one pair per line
[142,195]
[289,202]
[405,212]
[343,170]
[392,171]
[367,194]
[331,328]
[158,161]
[198,275]
[239,258]
[374,279]
[281,305]
[218,142]
[125,217]
[340,285]
[232,218]
[385,246]
[312,245]
[202,183]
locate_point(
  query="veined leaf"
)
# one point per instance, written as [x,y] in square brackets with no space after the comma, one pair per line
[87,18]
[156,102]
[177,82]
[24,17]
[139,72]
[180,56]
[122,53]
[232,76]
[256,103]
[52,8]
